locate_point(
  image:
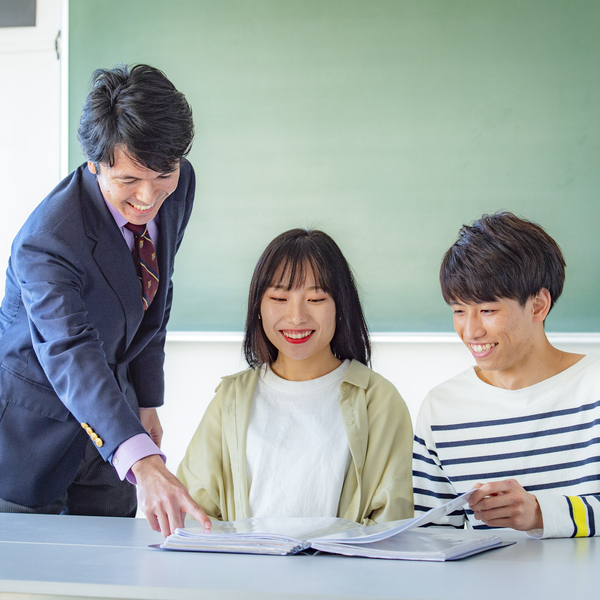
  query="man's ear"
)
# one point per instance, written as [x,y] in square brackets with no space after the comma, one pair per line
[92,168]
[542,302]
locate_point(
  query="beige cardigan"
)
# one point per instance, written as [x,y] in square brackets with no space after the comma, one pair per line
[378,484]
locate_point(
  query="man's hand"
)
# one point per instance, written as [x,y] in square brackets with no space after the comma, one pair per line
[506,504]
[151,423]
[162,498]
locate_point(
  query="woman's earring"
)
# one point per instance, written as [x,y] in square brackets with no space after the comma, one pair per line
[259,318]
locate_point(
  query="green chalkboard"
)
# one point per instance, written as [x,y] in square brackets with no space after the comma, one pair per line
[386,123]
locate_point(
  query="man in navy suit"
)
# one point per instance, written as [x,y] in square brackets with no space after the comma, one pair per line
[81,354]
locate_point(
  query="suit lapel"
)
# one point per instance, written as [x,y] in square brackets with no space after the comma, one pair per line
[112,255]
[114,259]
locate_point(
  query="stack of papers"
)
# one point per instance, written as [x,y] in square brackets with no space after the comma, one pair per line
[398,540]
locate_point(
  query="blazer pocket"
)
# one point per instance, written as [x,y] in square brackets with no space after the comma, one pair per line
[31,396]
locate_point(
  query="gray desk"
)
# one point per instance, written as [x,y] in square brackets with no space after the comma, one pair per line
[44,556]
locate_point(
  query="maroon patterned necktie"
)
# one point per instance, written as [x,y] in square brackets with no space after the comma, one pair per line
[144,257]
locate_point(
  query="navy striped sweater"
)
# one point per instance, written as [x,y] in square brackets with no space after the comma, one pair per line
[546,436]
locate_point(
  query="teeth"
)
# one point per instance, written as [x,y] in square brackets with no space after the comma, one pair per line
[296,335]
[479,348]
[141,206]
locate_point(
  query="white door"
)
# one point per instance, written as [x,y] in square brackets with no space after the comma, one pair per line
[29,120]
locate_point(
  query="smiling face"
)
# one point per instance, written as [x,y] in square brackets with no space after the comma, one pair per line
[300,323]
[505,338]
[135,191]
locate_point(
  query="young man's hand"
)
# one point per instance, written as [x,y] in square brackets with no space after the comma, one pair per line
[506,504]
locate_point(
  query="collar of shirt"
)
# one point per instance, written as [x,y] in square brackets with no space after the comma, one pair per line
[121,221]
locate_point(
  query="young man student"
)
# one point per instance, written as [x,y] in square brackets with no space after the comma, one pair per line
[523,425]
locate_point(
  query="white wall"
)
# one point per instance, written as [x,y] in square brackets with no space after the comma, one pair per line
[413,363]
[29,119]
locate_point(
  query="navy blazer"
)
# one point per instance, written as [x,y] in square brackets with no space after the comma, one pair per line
[75,344]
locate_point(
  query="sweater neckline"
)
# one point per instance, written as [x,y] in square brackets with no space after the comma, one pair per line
[541,387]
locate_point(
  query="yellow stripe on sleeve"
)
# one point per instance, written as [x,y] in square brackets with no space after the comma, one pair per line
[579,516]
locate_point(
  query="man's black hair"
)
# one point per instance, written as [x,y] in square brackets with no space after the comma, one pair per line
[139,110]
[502,256]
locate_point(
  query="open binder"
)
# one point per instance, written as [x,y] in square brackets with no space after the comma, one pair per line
[400,540]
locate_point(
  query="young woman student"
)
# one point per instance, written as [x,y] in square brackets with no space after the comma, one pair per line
[309,430]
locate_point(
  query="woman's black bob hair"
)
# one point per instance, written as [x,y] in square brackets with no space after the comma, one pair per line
[285,263]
